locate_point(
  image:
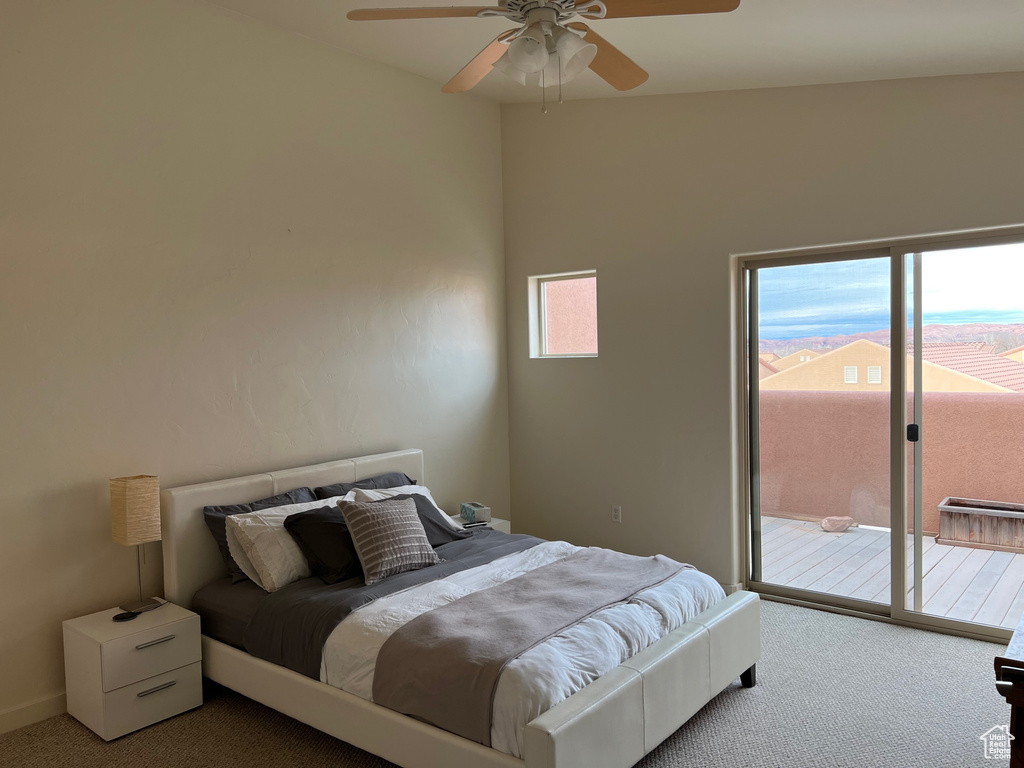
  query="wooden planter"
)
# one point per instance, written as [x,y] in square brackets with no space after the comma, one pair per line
[983,524]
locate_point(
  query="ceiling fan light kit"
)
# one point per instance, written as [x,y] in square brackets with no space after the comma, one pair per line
[574,54]
[507,68]
[550,46]
[529,52]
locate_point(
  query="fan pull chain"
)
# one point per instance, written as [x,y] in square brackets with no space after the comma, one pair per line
[543,94]
[560,79]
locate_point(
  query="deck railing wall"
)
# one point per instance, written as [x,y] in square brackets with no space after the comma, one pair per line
[827,453]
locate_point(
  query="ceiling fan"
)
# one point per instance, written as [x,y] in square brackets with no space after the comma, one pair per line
[548,47]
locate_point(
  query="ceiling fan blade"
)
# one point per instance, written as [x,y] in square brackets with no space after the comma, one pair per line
[391,14]
[611,64]
[621,9]
[477,69]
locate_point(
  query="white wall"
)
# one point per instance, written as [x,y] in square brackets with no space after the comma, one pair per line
[223,249]
[663,190]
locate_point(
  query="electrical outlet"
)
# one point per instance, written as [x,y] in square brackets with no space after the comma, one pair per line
[616,514]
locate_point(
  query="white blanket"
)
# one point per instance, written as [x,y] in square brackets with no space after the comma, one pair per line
[546,674]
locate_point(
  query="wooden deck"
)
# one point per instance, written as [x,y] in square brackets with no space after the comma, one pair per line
[978,585]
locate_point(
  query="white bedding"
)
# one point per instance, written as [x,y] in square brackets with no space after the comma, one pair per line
[544,675]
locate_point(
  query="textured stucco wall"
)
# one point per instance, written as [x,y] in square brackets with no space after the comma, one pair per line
[570,312]
[223,249]
[827,453]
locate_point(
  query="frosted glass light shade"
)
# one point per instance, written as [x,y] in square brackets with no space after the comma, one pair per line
[574,53]
[507,68]
[528,52]
[135,509]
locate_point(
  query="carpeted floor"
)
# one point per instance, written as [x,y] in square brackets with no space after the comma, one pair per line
[832,691]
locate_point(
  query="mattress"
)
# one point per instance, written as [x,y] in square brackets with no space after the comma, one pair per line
[225,609]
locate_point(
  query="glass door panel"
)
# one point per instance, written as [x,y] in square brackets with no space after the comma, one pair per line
[966,342]
[820,429]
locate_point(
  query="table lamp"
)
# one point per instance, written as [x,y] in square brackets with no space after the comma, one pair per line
[134,521]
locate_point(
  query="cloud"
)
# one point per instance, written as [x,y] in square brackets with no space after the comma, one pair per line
[976,285]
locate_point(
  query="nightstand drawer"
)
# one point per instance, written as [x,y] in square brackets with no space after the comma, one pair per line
[142,655]
[148,701]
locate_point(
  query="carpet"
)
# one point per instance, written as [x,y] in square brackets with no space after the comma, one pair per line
[833,692]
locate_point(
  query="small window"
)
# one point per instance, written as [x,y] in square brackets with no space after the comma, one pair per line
[874,374]
[850,374]
[566,315]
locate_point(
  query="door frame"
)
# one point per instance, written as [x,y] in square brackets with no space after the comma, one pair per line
[745,266]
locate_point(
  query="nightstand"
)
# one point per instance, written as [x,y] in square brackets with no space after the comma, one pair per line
[125,676]
[496,523]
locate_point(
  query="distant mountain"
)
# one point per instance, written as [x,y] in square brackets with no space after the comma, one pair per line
[1003,336]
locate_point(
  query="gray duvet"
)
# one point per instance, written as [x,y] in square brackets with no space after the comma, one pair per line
[291,625]
[443,666]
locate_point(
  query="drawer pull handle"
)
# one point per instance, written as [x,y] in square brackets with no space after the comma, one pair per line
[163,687]
[151,643]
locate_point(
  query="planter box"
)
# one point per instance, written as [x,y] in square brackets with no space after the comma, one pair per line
[983,524]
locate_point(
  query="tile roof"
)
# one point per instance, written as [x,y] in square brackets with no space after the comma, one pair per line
[975,359]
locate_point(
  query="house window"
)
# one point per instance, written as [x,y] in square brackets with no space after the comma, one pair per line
[850,374]
[874,374]
[564,315]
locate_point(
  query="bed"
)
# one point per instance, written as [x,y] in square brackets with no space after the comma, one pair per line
[611,723]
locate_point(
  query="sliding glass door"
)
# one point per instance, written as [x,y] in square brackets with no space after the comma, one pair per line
[821,399]
[965,521]
[886,430]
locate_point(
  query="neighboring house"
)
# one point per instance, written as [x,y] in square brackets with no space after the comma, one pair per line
[976,359]
[1017,355]
[864,366]
[764,370]
[795,359]
[768,357]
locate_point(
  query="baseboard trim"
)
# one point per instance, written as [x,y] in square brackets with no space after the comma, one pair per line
[730,588]
[42,709]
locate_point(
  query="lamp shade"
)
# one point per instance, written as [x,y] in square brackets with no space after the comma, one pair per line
[135,509]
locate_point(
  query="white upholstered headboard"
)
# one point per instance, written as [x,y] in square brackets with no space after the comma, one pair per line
[191,557]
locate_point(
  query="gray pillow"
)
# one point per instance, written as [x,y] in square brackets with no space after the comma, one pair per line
[323,537]
[388,537]
[438,531]
[386,480]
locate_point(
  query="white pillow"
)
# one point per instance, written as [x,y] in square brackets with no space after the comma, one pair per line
[377,494]
[264,550]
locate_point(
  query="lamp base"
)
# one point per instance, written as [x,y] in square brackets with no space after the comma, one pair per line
[140,606]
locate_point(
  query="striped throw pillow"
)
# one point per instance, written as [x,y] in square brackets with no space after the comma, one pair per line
[388,537]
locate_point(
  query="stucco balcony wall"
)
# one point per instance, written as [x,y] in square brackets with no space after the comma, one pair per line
[827,453]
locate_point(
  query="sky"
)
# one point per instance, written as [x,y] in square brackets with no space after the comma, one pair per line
[967,285]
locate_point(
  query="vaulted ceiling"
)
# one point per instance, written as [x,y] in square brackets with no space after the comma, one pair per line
[763,44]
